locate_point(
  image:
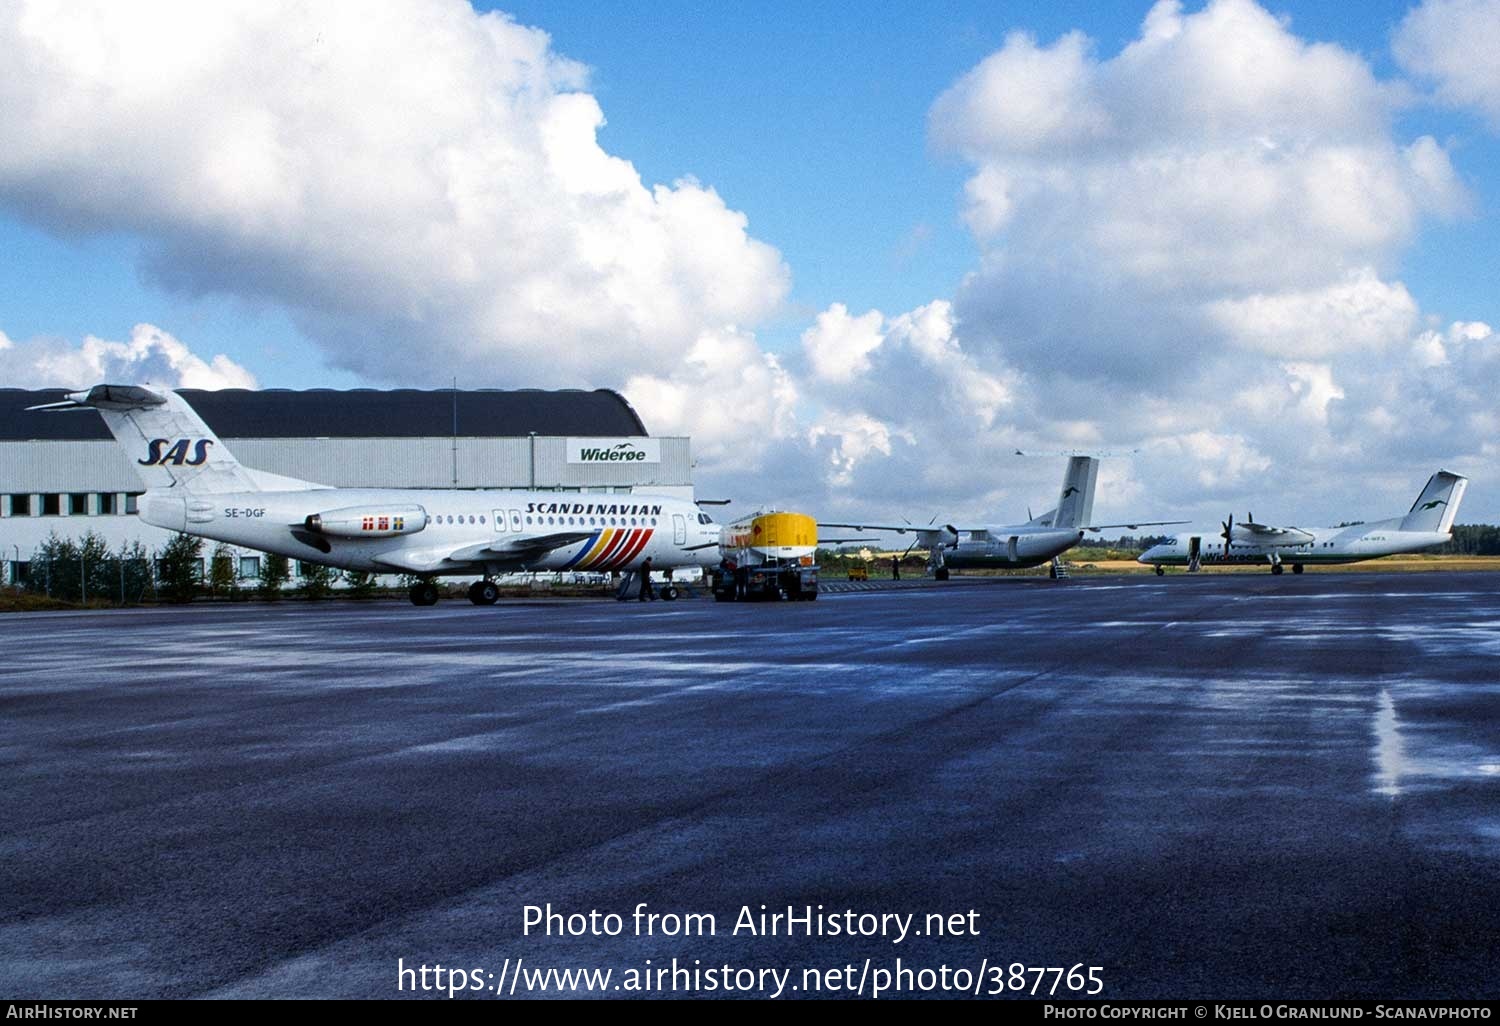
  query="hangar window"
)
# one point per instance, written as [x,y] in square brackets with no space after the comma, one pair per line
[132,507]
[18,505]
[78,504]
[249,566]
[51,505]
[108,504]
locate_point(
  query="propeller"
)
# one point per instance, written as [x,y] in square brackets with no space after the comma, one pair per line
[918,537]
[1228,526]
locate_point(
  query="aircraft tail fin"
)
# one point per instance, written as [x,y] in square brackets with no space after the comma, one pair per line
[170,444]
[1075,507]
[1438,504]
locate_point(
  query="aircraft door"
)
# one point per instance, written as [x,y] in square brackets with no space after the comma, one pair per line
[515,520]
[1195,551]
[1012,549]
[679,529]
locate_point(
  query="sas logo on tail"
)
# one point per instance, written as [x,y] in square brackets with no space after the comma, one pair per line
[164,451]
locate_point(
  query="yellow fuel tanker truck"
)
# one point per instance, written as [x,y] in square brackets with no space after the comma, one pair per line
[769,555]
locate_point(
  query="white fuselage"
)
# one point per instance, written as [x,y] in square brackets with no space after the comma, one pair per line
[460,532]
[1327,545]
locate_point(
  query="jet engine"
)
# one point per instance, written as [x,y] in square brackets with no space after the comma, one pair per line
[361,522]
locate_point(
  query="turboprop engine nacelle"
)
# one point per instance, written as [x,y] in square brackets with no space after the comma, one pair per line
[359,522]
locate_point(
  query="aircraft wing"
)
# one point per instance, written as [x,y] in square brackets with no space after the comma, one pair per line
[1268,535]
[897,528]
[514,550]
[1134,525]
[533,546]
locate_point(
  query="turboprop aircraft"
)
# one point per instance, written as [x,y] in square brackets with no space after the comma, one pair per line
[1014,546]
[194,485]
[1429,523]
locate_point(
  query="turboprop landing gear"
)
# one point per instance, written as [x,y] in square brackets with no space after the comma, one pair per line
[1277,568]
[941,573]
[1161,571]
[1296,568]
[483,593]
[423,593]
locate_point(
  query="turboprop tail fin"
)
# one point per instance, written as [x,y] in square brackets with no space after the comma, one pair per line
[1076,505]
[1436,507]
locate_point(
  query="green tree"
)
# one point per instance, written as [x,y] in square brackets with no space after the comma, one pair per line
[55,569]
[222,580]
[181,561]
[275,571]
[132,569]
[96,569]
[317,580]
[361,583]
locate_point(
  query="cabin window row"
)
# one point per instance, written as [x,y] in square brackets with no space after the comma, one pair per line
[579,521]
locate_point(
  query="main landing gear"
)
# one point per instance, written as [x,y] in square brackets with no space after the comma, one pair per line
[1161,571]
[483,593]
[423,593]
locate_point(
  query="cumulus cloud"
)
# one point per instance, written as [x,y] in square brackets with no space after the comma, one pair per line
[151,354]
[1216,153]
[734,399]
[838,346]
[1453,43]
[1188,246]
[1360,313]
[410,179]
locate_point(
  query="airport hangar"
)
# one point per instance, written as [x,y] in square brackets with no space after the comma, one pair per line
[64,474]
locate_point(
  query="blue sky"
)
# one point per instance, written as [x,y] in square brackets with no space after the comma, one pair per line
[818,124]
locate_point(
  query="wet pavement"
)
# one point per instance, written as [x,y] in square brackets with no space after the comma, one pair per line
[1209,787]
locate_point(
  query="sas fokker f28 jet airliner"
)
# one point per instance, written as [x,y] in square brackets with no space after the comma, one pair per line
[1429,523]
[194,485]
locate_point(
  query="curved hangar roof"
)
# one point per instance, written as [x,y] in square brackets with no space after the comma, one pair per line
[356,413]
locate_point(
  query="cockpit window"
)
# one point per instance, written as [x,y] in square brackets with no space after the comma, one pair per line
[704,518]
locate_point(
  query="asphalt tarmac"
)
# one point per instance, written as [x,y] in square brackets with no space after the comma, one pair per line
[1210,787]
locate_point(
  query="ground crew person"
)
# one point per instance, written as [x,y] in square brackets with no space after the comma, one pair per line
[646,592]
